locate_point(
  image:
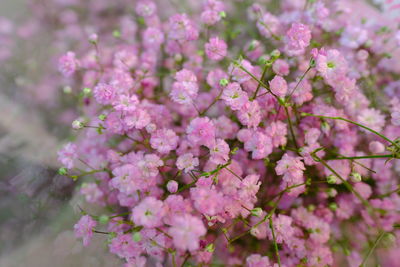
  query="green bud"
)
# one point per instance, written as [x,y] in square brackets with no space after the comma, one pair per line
[256,212]
[223,82]
[102,117]
[67,89]
[210,247]
[312,63]
[331,179]
[116,34]
[104,219]
[234,150]
[136,236]
[275,54]
[355,177]
[222,14]
[62,171]
[333,206]
[87,91]
[311,207]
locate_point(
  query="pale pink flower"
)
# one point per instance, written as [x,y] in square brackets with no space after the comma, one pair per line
[187,162]
[216,49]
[186,231]
[84,228]
[164,140]
[149,213]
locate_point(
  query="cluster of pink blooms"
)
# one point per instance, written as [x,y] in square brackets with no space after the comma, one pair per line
[224,133]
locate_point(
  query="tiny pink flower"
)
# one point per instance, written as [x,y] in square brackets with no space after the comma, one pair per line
[201,131]
[84,228]
[216,49]
[68,64]
[187,162]
[186,231]
[164,140]
[149,213]
[172,186]
[104,93]
[126,103]
[67,155]
[219,154]
[278,86]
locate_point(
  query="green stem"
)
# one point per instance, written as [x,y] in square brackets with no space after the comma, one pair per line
[262,78]
[366,157]
[352,122]
[291,128]
[215,101]
[271,225]
[371,249]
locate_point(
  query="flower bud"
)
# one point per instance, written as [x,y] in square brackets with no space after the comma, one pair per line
[104,219]
[136,236]
[77,124]
[331,179]
[172,186]
[62,171]
[256,212]
[355,177]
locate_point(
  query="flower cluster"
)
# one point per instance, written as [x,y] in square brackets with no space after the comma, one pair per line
[230,132]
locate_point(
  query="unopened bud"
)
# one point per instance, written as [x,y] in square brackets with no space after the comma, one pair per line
[355,177]
[331,179]
[256,212]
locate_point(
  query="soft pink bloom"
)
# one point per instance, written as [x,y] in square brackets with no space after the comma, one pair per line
[216,49]
[124,246]
[92,192]
[187,162]
[181,28]
[149,213]
[172,186]
[278,86]
[219,154]
[201,131]
[104,93]
[281,67]
[67,155]
[186,231]
[298,38]
[234,96]
[126,103]
[84,228]
[256,260]
[68,64]
[145,8]
[164,140]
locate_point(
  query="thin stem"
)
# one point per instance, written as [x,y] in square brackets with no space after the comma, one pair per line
[366,157]
[301,79]
[271,225]
[348,186]
[262,78]
[215,101]
[291,128]
[372,248]
[352,122]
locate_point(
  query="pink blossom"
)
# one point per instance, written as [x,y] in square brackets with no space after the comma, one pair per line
[149,213]
[172,186]
[164,140]
[186,231]
[201,131]
[104,93]
[234,96]
[67,155]
[219,154]
[281,67]
[84,228]
[92,192]
[278,86]
[187,162]
[145,8]
[124,246]
[256,260]
[126,103]
[298,38]
[68,64]
[181,28]
[216,49]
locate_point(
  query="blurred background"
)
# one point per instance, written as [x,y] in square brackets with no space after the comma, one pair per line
[37,206]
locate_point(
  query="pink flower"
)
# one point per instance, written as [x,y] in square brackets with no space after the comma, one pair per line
[372,118]
[187,162]
[124,179]
[172,186]
[181,28]
[67,64]
[278,86]
[104,93]
[234,96]
[149,213]
[283,228]
[84,228]
[149,165]
[164,140]
[219,154]
[124,246]
[250,114]
[281,67]
[259,144]
[216,49]
[92,192]
[292,169]
[240,75]
[256,260]
[331,65]
[153,37]
[298,38]
[207,199]
[268,25]
[185,89]
[186,231]
[67,155]
[201,131]
[126,103]
[145,8]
